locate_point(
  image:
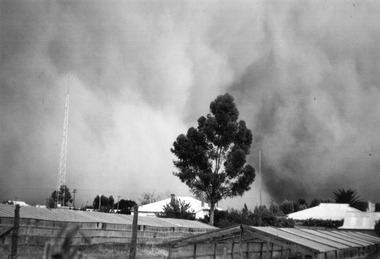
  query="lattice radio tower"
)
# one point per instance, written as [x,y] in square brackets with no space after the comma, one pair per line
[63,156]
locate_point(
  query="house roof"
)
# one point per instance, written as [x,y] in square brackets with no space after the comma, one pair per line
[21,203]
[156,207]
[30,212]
[325,211]
[360,220]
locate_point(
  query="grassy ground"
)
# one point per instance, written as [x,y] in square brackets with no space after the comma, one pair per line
[94,251]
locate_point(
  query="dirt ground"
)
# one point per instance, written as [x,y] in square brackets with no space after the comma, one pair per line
[95,251]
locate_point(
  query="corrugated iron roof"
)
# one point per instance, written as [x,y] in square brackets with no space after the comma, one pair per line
[157,207]
[325,236]
[65,215]
[310,236]
[309,241]
[325,211]
[289,236]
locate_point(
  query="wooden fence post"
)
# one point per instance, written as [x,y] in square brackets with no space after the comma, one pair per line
[132,251]
[241,243]
[15,232]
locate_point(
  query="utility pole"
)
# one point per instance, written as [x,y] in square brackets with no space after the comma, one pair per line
[261,203]
[74,191]
[118,199]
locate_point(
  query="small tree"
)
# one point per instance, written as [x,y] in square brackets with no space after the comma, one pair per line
[275,209]
[287,206]
[245,212]
[63,197]
[178,209]
[104,203]
[377,228]
[125,206]
[150,197]
[211,159]
[263,217]
[50,203]
[111,201]
[315,202]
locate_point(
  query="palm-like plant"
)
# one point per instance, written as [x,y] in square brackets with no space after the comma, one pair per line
[348,196]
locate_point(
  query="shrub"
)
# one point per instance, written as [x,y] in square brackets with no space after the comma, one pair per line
[377,227]
[322,223]
[177,209]
[260,217]
[287,206]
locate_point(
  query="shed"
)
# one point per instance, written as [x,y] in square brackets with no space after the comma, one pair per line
[324,211]
[269,242]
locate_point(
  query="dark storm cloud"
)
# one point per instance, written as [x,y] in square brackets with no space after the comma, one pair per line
[304,76]
[317,88]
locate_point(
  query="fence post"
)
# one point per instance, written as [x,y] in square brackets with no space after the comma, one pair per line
[241,243]
[132,251]
[224,252]
[15,232]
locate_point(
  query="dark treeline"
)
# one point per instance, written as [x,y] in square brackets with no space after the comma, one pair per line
[104,204]
[260,216]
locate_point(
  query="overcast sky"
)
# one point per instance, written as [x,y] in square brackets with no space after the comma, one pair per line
[304,75]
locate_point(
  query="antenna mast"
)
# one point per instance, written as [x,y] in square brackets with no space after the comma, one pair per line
[63,156]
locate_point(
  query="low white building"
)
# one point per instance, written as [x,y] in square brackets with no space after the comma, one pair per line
[201,209]
[324,211]
[21,203]
[360,221]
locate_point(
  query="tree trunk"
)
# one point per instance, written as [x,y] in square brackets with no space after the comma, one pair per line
[212,211]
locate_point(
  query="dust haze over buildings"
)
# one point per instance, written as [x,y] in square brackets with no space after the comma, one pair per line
[305,77]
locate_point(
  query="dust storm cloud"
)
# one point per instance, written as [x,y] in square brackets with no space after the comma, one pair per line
[304,76]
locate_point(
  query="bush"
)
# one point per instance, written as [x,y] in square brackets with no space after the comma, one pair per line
[377,227]
[264,217]
[177,209]
[322,223]
[287,206]
[260,217]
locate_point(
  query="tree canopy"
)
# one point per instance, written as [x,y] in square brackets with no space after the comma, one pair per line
[125,206]
[63,197]
[177,209]
[103,203]
[351,197]
[150,197]
[211,159]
